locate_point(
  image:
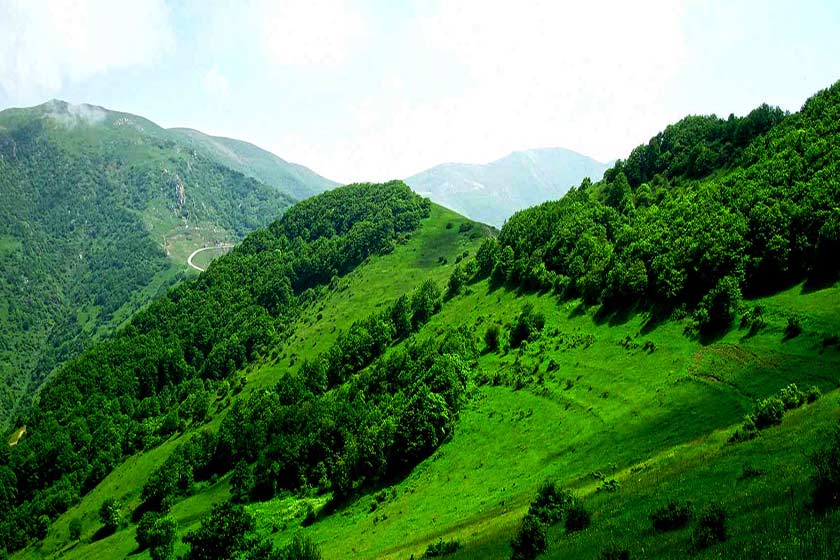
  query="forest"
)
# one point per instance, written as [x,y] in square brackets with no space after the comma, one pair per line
[165,367]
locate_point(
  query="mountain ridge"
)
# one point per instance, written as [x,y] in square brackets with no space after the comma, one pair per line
[492,192]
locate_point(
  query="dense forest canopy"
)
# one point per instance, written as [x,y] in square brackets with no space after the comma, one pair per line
[708,211]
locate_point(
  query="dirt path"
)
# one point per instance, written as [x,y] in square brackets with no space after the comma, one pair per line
[197,251]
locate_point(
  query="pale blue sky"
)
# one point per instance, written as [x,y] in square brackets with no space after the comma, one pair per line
[373,90]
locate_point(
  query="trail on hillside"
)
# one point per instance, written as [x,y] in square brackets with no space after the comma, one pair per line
[197,251]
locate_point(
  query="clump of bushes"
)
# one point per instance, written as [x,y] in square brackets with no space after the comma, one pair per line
[672,516]
[550,506]
[527,325]
[711,528]
[441,548]
[768,412]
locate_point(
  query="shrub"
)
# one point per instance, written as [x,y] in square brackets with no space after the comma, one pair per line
[530,539]
[754,320]
[814,394]
[441,548]
[826,480]
[793,327]
[768,412]
[527,324]
[791,397]
[671,517]
[550,503]
[711,528]
[491,338]
[301,547]
[577,518]
[746,432]
[75,529]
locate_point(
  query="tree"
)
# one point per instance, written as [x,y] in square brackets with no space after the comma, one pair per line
[157,533]
[109,514]
[75,529]
[425,302]
[456,282]
[222,534]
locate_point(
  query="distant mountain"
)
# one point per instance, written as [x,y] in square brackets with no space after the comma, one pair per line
[492,192]
[291,178]
[99,211]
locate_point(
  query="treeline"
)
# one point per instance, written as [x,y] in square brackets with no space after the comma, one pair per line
[166,368]
[662,230]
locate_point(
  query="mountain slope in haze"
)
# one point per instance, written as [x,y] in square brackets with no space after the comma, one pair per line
[492,192]
[291,178]
[98,212]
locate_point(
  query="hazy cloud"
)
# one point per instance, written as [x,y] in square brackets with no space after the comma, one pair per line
[215,83]
[310,32]
[45,43]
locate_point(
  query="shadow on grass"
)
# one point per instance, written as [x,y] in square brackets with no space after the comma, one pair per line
[103,532]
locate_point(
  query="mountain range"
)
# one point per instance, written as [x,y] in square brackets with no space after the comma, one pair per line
[491,193]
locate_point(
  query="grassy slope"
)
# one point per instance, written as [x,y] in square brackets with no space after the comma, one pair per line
[656,422]
[376,283]
[663,415]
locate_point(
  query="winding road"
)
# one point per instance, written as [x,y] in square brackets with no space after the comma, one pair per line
[197,251]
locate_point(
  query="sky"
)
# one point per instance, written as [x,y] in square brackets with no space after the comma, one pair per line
[372,90]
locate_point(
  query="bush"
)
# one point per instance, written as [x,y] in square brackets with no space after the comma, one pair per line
[826,480]
[711,528]
[814,394]
[530,539]
[768,412]
[550,503]
[671,517]
[75,529]
[527,324]
[301,547]
[791,397]
[491,338]
[577,518]
[754,320]
[793,327]
[441,548]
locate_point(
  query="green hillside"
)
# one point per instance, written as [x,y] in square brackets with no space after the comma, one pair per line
[295,180]
[646,368]
[99,211]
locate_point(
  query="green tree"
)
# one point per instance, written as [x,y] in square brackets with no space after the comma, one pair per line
[110,515]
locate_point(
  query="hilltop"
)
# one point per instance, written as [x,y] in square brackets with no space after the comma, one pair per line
[491,193]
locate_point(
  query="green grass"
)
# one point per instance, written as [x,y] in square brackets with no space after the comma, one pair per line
[656,422]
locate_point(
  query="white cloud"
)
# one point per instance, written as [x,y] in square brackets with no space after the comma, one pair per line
[593,76]
[310,32]
[215,83]
[46,43]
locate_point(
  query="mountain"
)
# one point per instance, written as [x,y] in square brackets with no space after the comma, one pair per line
[99,211]
[646,367]
[492,192]
[296,180]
